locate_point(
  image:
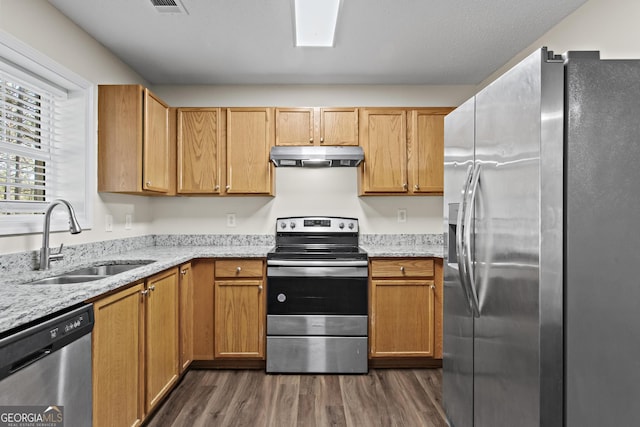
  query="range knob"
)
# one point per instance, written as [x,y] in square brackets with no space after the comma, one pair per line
[350,226]
[283,224]
[292,224]
[341,225]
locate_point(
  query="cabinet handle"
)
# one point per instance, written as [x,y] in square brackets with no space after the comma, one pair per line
[144,293]
[152,287]
[433,287]
[322,140]
[402,269]
[238,269]
[404,186]
[216,188]
[260,288]
[417,187]
[148,183]
[183,272]
[228,187]
[310,140]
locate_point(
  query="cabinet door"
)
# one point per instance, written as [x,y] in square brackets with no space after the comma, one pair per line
[161,361]
[339,126]
[426,151]
[155,149]
[250,134]
[117,353]
[203,333]
[402,318]
[239,319]
[186,316]
[294,126]
[198,150]
[383,139]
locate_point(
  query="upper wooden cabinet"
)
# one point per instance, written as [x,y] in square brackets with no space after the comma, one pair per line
[199,154]
[317,126]
[404,151]
[133,141]
[250,136]
[426,150]
[383,137]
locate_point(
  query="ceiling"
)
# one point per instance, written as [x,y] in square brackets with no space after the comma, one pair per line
[224,42]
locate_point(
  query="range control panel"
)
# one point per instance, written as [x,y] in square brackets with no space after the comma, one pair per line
[316,224]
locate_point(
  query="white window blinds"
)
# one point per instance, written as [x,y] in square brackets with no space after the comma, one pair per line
[47,139]
[27,142]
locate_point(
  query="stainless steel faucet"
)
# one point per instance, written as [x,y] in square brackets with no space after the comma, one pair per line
[74,228]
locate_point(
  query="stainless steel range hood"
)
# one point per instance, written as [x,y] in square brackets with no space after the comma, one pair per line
[301,156]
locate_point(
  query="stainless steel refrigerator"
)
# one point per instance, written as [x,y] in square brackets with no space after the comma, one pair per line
[542,247]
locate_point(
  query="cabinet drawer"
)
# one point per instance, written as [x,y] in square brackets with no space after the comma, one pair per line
[402,267]
[239,268]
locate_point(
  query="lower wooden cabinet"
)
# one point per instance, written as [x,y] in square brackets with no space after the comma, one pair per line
[229,320]
[135,350]
[118,354]
[405,308]
[239,309]
[161,336]
[186,316]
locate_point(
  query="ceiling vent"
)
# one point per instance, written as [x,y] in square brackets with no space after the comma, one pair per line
[169,6]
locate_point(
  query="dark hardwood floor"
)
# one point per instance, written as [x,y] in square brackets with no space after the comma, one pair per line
[384,397]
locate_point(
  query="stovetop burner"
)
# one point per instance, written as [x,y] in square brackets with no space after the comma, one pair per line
[326,238]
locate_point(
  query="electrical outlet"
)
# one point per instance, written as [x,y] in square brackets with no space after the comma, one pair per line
[231,220]
[108,223]
[402,215]
[128,222]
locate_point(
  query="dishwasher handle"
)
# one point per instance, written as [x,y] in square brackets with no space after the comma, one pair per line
[30,359]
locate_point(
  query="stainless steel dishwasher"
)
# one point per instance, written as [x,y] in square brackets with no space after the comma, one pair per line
[45,371]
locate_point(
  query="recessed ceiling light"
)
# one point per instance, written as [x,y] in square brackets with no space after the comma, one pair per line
[315,22]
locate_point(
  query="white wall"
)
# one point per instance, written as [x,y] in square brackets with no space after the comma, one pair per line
[40,25]
[610,26]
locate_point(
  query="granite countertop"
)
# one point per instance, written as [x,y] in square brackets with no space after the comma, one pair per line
[21,303]
[410,250]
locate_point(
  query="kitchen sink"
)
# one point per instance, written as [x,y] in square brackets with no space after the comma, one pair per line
[66,279]
[105,270]
[89,274]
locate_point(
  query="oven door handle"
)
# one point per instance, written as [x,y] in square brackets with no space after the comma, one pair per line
[316,263]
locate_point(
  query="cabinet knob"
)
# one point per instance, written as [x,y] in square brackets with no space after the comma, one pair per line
[260,288]
[238,269]
[310,140]
[148,183]
[145,292]
[404,186]
[216,188]
[433,287]
[183,272]
[322,140]
[152,287]
[417,187]
[402,269]
[228,187]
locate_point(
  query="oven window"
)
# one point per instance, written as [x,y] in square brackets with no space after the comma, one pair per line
[317,295]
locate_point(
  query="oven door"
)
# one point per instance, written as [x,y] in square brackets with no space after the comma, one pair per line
[324,290]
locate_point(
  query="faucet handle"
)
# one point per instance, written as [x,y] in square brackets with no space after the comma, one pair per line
[58,255]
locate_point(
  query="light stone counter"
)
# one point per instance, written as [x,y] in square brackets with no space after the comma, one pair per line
[22,303]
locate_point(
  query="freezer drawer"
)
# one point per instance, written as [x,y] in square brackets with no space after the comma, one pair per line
[317,354]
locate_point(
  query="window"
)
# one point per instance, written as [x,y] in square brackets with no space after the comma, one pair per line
[46,140]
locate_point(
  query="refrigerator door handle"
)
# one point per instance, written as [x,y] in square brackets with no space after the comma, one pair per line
[460,243]
[472,191]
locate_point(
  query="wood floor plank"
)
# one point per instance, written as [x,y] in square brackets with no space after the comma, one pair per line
[383,398]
